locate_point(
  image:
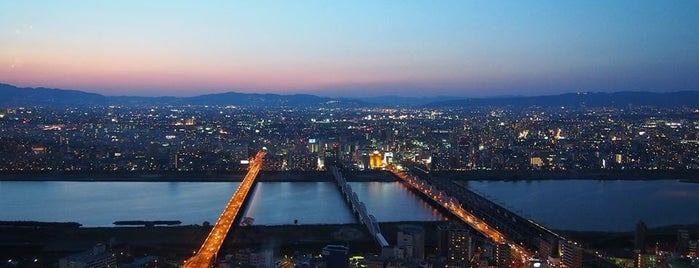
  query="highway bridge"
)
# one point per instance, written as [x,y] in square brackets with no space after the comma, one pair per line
[523,232]
[206,255]
[520,254]
[359,208]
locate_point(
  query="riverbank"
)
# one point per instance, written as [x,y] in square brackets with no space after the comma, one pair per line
[184,176]
[48,242]
[663,235]
[690,176]
[499,175]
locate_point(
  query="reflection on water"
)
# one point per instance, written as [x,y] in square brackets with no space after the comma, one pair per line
[569,204]
[101,203]
[597,205]
[391,201]
[278,203]
[273,203]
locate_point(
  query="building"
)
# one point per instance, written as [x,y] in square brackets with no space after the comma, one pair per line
[412,239]
[571,254]
[618,158]
[454,244]
[313,145]
[503,256]
[548,250]
[682,247]
[336,256]
[253,258]
[640,237]
[536,161]
[645,260]
[375,160]
[97,257]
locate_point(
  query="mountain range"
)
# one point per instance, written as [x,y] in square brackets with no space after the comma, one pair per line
[15,96]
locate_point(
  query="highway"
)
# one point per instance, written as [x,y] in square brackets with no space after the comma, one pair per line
[207,253]
[453,206]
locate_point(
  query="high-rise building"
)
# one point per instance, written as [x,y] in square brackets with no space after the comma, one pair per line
[682,247]
[503,256]
[336,256]
[640,237]
[464,154]
[412,239]
[454,244]
[571,254]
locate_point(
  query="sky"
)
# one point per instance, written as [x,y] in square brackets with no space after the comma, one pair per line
[351,48]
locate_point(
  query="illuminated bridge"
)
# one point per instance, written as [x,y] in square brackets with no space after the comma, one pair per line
[207,253]
[455,207]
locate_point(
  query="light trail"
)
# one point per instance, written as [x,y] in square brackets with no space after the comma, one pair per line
[207,253]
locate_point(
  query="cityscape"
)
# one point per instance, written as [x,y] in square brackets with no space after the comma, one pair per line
[430,151]
[220,139]
[328,134]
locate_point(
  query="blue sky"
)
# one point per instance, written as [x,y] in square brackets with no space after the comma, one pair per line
[351,48]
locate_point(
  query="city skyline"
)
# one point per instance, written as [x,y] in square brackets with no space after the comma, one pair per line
[465,49]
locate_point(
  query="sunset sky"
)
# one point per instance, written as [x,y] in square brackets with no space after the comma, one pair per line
[350,48]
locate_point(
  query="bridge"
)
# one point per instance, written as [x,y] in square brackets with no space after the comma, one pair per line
[453,205]
[524,232]
[358,207]
[206,255]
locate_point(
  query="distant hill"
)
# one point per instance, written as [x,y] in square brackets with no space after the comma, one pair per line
[234,98]
[617,99]
[398,101]
[15,96]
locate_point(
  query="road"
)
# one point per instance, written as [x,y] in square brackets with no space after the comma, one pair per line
[520,253]
[207,253]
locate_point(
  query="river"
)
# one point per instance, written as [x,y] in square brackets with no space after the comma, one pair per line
[562,204]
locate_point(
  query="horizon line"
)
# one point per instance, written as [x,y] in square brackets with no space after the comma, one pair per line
[334,96]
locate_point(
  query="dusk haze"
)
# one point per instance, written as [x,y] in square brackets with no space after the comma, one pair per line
[350,49]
